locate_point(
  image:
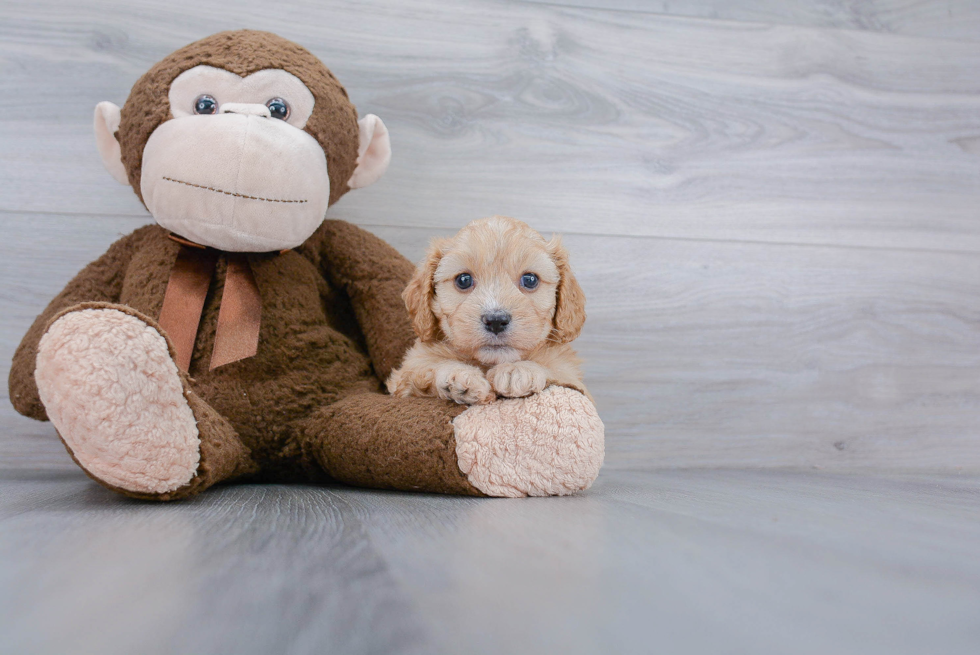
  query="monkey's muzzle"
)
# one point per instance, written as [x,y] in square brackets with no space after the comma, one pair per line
[235,182]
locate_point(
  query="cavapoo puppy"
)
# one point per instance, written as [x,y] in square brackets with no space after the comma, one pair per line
[494,309]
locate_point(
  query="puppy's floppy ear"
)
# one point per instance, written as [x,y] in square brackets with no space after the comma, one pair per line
[421,291]
[569,300]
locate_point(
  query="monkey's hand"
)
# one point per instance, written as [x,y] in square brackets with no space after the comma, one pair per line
[518,379]
[463,384]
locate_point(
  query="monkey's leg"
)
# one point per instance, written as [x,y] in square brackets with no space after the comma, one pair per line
[127,415]
[548,444]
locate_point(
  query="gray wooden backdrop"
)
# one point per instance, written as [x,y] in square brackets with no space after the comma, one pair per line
[773,206]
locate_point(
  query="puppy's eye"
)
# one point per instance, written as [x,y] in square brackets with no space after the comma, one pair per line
[205,104]
[529,281]
[464,281]
[278,108]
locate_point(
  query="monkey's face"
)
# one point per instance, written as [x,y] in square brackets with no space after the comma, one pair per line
[241,157]
[233,168]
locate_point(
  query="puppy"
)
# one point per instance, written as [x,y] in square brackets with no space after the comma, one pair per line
[494,309]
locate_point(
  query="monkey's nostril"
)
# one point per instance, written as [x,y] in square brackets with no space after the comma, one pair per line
[496,322]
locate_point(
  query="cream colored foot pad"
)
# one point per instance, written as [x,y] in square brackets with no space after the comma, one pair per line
[113,392]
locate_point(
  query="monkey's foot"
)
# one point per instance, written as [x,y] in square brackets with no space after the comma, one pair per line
[112,390]
[548,444]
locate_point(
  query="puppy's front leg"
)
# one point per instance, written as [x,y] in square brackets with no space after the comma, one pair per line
[518,379]
[430,370]
[462,383]
[447,379]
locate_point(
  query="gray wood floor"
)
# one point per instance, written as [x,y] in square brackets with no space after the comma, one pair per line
[693,561]
[776,222]
[774,208]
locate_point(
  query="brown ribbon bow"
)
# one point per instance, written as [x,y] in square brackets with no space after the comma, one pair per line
[237,334]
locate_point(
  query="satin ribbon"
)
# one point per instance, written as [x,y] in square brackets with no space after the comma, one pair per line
[239,316]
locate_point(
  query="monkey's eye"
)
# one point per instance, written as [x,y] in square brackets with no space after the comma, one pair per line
[205,104]
[464,281]
[529,281]
[278,108]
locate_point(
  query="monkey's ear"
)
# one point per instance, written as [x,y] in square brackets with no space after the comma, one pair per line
[106,123]
[373,153]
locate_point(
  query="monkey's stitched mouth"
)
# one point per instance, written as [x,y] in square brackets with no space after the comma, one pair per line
[229,193]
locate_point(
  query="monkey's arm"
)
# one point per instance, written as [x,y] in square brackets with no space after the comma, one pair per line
[100,281]
[373,275]
[380,441]
[550,443]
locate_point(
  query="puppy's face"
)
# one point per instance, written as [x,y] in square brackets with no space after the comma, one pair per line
[495,292]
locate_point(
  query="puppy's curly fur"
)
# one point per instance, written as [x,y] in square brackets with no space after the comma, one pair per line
[494,309]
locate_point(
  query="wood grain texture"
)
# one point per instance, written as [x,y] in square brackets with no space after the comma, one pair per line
[674,561]
[777,230]
[698,353]
[776,225]
[578,120]
[266,569]
[943,19]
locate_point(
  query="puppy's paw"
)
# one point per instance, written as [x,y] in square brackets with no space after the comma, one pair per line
[518,379]
[463,384]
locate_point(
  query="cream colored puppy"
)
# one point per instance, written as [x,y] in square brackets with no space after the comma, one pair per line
[494,309]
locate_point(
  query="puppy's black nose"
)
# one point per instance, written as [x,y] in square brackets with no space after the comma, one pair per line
[496,322]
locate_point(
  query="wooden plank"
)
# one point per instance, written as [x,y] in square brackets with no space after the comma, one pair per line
[699,562]
[674,561]
[801,292]
[581,121]
[726,354]
[948,19]
[131,577]
[698,353]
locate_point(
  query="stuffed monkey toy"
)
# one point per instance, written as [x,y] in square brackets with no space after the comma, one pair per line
[244,337]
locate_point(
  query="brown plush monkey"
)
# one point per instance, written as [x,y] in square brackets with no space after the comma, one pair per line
[245,337]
